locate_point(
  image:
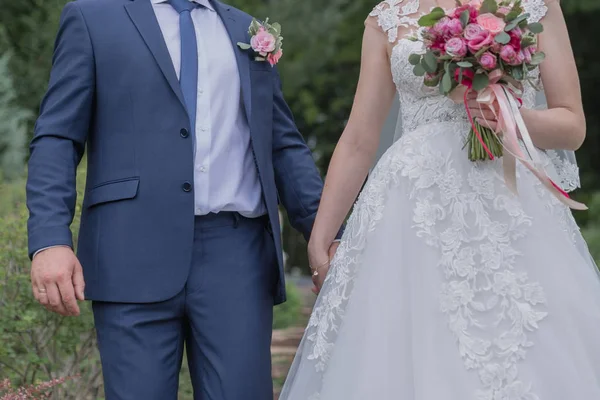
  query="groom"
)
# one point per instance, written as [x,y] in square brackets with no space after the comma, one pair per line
[190,147]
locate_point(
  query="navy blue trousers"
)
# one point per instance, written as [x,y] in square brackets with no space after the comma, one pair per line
[223,318]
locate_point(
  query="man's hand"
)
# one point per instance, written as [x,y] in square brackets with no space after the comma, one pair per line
[320,261]
[57,280]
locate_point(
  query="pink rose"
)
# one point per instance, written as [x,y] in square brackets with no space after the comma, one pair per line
[515,38]
[263,42]
[479,42]
[496,47]
[472,31]
[456,47]
[488,61]
[455,27]
[520,57]
[528,53]
[273,58]
[510,56]
[473,12]
[442,27]
[491,23]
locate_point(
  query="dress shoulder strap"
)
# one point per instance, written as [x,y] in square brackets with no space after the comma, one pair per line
[537,9]
[393,14]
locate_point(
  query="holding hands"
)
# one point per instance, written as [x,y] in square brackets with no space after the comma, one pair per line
[319,258]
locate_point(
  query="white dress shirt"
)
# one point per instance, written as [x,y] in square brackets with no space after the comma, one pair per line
[225,176]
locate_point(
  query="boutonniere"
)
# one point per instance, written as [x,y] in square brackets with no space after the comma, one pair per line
[265,41]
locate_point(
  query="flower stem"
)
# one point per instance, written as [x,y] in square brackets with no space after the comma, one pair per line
[475,148]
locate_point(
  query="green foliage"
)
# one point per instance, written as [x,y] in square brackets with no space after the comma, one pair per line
[38,345]
[13,128]
[28,29]
[288,313]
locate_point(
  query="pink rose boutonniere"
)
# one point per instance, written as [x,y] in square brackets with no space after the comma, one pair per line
[265,40]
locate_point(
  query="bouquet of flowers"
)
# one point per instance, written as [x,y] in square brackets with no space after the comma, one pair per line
[479,44]
[487,47]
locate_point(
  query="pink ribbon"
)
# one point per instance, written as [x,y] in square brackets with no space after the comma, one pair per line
[511,124]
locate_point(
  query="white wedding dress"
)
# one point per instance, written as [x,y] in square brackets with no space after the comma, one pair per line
[446,286]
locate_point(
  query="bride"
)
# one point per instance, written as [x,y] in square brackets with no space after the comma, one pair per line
[446,285]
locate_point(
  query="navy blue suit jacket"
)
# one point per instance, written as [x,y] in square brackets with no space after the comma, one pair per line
[113,89]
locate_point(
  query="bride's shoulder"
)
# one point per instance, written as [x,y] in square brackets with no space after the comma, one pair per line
[391,15]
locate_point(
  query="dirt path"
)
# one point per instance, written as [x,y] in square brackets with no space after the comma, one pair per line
[286,341]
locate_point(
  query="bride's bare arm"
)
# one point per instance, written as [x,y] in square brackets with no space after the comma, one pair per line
[562,126]
[358,144]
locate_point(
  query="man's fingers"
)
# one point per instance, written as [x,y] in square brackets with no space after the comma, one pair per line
[67,294]
[55,300]
[78,282]
[40,294]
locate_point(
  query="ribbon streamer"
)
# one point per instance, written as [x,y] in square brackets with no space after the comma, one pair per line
[511,124]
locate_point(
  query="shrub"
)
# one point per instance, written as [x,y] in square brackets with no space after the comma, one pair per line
[37,345]
[288,313]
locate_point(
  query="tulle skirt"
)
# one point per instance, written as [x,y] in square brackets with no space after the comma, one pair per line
[447,286]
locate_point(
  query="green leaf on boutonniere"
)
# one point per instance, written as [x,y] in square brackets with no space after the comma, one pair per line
[277,27]
[433,17]
[244,46]
[489,6]
[259,59]
[536,28]
[414,59]
[418,70]
[502,38]
[430,62]
[254,27]
[480,82]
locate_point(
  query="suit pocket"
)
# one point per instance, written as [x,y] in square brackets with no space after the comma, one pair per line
[112,191]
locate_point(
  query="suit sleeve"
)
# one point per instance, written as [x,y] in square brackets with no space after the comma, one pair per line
[298,181]
[60,134]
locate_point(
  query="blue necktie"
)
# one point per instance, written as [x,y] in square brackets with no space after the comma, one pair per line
[188,74]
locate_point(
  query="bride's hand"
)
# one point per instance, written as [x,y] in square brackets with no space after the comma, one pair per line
[480,112]
[320,258]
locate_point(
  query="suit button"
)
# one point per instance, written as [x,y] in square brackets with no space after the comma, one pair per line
[184,133]
[187,187]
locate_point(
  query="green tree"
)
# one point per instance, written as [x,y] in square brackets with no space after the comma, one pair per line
[13,127]
[28,29]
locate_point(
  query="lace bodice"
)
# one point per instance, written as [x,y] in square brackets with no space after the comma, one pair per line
[420,104]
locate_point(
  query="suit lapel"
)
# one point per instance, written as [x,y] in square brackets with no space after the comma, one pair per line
[143,17]
[238,33]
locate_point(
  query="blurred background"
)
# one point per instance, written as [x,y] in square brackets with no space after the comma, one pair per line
[319,74]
